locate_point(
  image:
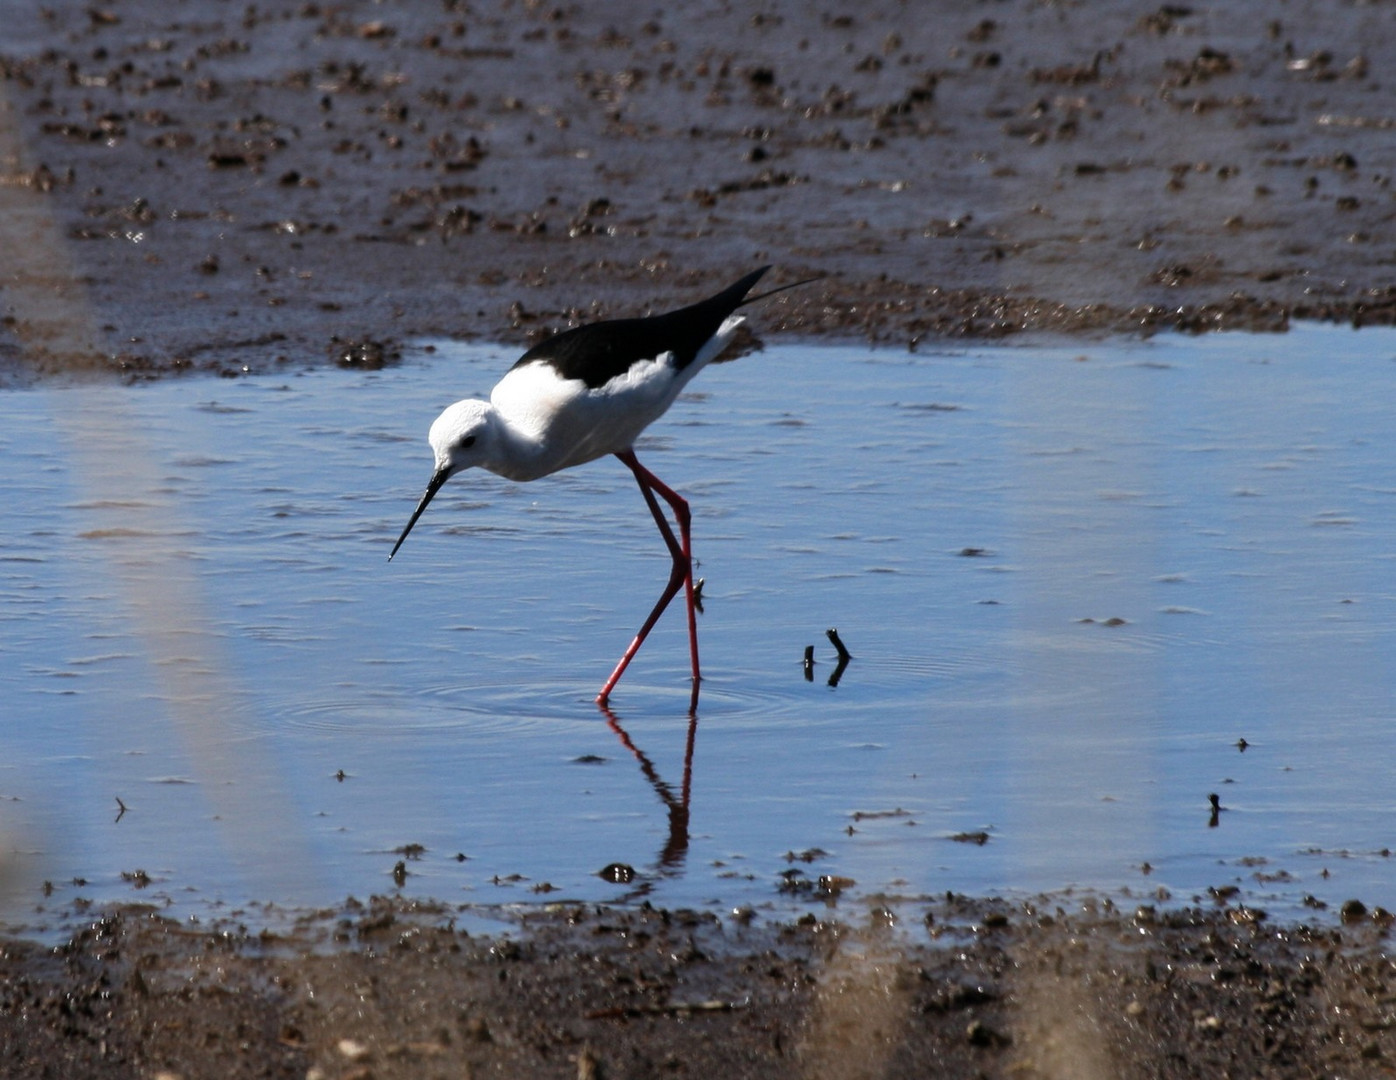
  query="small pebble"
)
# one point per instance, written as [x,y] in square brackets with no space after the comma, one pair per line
[352,1049]
[1352,911]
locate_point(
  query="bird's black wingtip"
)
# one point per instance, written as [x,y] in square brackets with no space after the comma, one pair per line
[747,283]
[756,275]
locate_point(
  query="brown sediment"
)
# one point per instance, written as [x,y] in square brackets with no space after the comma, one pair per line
[230,188]
[394,989]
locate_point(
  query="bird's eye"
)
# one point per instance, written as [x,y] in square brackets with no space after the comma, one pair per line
[467,442]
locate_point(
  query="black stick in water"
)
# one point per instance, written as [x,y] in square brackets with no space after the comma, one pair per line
[844,656]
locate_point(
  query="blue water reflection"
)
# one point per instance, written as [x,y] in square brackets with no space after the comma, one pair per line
[1073,577]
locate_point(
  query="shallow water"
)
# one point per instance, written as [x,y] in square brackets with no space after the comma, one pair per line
[1072,578]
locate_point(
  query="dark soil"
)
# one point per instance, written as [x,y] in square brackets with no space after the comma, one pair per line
[195,184]
[386,991]
[192,183]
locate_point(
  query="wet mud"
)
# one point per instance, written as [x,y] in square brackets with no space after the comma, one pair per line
[393,990]
[191,185]
[230,187]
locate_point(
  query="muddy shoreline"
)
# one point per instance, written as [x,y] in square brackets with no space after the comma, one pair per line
[394,989]
[195,186]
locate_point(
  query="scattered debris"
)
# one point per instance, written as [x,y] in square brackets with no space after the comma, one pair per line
[617,873]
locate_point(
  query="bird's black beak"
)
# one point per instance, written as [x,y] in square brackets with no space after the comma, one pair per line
[437,479]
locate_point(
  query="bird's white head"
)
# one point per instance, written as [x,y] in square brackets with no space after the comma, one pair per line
[462,436]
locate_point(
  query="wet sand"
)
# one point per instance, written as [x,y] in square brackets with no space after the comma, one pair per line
[199,186]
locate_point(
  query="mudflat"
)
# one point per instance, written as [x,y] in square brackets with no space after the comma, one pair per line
[391,989]
[193,184]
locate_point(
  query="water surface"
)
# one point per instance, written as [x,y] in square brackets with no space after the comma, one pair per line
[1076,582]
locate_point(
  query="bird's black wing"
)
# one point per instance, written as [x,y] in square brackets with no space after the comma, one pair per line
[599,352]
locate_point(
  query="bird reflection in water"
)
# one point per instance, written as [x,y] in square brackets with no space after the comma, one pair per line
[675,849]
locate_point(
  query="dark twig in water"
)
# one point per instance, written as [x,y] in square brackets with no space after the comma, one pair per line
[809,663]
[1215,819]
[844,656]
[121,813]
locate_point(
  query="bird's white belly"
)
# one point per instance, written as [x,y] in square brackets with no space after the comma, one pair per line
[563,423]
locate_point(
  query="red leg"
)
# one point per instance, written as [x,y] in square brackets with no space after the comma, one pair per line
[681,573]
[683,554]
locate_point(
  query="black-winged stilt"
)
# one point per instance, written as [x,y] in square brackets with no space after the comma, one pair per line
[588,392]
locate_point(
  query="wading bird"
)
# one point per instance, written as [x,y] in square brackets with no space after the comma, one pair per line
[588,392]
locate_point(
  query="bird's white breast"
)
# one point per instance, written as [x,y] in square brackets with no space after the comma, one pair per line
[553,423]
[556,423]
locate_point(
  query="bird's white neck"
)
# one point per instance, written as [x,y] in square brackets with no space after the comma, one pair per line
[515,452]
